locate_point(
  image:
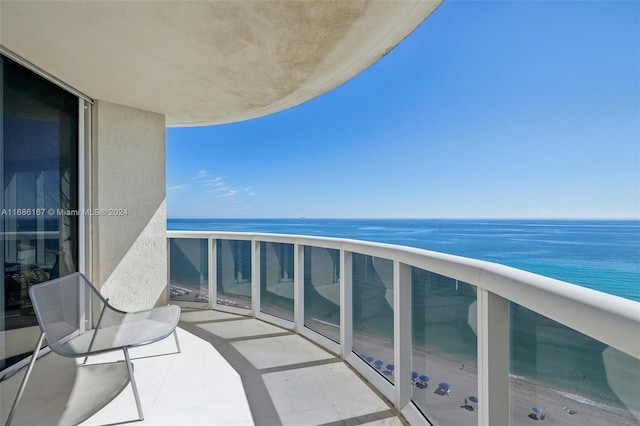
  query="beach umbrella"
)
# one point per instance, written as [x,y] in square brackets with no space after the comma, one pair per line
[424,378]
[537,409]
[443,386]
[391,367]
[414,375]
[379,363]
[473,399]
[369,359]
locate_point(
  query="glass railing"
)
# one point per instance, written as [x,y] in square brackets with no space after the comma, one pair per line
[444,357]
[233,273]
[372,312]
[189,266]
[322,291]
[560,373]
[448,340]
[276,279]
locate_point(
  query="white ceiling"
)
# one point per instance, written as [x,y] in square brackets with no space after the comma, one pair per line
[206,62]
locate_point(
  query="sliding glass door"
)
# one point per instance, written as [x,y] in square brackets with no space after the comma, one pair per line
[39,177]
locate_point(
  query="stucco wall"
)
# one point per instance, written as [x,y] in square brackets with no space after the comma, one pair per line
[129,249]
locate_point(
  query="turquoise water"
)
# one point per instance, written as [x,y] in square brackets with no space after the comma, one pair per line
[599,254]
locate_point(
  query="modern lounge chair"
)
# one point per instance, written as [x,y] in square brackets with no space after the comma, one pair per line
[424,381]
[77,321]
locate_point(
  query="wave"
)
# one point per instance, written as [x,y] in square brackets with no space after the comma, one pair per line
[577,398]
[584,400]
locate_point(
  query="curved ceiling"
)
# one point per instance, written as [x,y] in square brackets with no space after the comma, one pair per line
[206,62]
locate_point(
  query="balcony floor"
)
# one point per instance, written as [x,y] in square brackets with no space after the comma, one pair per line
[233,370]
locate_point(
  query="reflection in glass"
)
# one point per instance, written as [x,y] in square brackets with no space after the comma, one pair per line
[568,376]
[39,175]
[189,270]
[234,273]
[373,312]
[444,355]
[276,279]
[322,291]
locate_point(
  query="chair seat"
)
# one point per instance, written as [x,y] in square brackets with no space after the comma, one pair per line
[136,329]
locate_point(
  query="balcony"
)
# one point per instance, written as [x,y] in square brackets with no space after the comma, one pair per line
[445,339]
[233,370]
[282,329]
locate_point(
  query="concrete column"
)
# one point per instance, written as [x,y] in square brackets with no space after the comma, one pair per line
[212,259]
[255,277]
[346,303]
[298,287]
[402,332]
[493,359]
[129,249]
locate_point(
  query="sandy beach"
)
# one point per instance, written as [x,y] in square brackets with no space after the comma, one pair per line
[187,293]
[461,375]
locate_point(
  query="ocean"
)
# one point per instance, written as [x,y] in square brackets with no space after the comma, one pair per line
[600,254]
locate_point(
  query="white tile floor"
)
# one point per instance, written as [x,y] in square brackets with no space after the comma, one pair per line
[280,351]
[323,393]
[269,377]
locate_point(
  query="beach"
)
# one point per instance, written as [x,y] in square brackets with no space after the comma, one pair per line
[460,373]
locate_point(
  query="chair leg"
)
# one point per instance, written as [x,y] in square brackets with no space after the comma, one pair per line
[175,334]
[16,401]
[133,382]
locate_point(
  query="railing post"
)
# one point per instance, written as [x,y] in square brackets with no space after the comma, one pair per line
[402,332]
[168,289]
[493,359]
[255,277]
[346,303]
[213,273]
[298,287]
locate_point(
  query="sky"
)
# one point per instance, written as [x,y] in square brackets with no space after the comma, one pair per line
[489,109]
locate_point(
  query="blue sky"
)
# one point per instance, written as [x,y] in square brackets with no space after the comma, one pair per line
[505,109]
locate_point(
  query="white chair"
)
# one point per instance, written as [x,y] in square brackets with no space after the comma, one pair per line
[77,321]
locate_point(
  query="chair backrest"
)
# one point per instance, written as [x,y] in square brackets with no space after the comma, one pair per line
[64,308]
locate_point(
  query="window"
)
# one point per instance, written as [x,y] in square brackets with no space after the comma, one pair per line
[39,175]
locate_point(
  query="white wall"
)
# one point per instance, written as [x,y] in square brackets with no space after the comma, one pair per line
[128,252]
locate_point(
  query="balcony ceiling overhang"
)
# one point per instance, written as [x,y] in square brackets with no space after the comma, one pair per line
[206,62]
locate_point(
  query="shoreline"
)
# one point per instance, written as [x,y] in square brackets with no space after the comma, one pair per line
[460,373]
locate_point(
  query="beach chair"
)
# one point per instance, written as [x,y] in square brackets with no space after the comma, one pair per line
[77,321]
[424,381]
[444,388]
[538,413]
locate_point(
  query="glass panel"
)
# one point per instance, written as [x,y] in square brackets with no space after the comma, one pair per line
[444,352]
[233,259]
[39,165]
[188,270]
[567,376]
[322,291]
[276,279]
[373,312]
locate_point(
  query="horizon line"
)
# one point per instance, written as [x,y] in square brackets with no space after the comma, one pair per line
[410,218]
